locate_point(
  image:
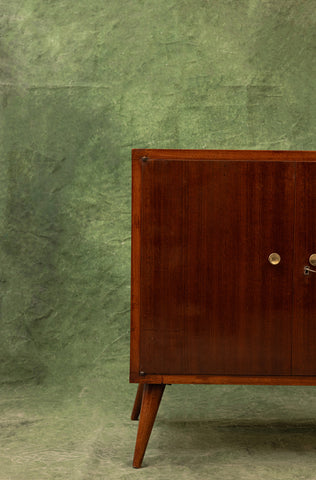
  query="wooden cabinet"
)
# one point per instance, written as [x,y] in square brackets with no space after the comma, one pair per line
[207,304]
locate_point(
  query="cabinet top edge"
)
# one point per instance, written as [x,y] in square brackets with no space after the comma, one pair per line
[195,154]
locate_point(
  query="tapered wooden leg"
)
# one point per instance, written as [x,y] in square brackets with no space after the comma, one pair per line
[152,394]
[138,402]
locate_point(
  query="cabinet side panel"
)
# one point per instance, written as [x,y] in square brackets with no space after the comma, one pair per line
[135,264]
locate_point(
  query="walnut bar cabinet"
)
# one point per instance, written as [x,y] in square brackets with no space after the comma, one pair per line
[223,272]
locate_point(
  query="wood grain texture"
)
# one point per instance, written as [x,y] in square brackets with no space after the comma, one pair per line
[138,402]
[234,155]
[211,303]
[152,395]
[230,379]
[304,326]
[207,307]
[135,263]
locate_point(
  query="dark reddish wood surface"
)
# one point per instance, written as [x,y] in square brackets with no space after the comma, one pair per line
[135,264]
[304,326]
[211,303]
[138,402]
[235,155]
[151,400]
[230,379]
[209,308]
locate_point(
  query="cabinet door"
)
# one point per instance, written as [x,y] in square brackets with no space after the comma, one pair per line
[304,326]
[211,303]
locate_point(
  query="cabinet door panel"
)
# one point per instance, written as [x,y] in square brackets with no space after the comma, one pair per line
[304,326]
[211,303]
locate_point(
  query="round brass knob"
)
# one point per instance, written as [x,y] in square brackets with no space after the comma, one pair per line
[274,258]
[312,259]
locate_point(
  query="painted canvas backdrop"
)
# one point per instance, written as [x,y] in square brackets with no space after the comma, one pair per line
[81,84]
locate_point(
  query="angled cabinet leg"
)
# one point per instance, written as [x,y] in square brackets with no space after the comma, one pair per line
[152,394]
[138,402]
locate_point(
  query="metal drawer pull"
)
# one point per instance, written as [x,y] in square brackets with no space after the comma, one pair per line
[307,270]
[312,259]
[274,258]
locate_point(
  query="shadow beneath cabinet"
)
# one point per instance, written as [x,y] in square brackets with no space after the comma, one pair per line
[251,436]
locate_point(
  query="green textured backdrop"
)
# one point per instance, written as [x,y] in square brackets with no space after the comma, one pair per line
[83,82]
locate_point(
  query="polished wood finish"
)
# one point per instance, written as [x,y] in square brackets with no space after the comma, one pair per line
[235,155]
[304,320]
[138,402]
[151,400]
[211,302]
[232,379]
[183,336]
[207,307]
[135,263]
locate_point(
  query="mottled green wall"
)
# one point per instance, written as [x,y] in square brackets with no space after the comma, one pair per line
[82,82]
